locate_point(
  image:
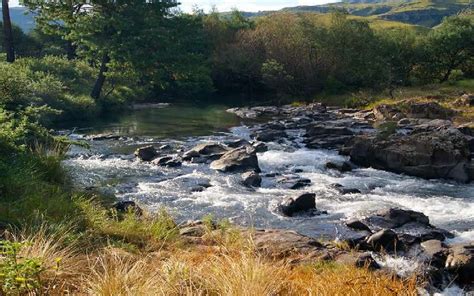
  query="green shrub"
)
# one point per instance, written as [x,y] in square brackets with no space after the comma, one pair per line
[18,275]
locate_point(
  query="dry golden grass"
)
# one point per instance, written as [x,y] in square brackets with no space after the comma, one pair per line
[226,268]
[61,262]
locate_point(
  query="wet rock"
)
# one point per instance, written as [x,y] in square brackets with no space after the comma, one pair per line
[251,179]
[327,130]
[366,260]
[103,137]
[343,190]
[439,154]
[165,147]
[294,182]
[467,129]
[238,143]
[436,252]
[237,160]
[162,160]
[411,227]
[204,149]
[127,206]
[327,136]
[167,161]
[269,135]
[260,147]
[460,262]
[357,225]
[398,217]
[384,239]
[341,167]
[147,153]
[303,203]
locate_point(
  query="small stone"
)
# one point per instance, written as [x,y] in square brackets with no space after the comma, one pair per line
[251,179]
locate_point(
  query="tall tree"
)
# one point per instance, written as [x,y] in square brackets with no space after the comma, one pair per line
[8,32]
[57,18]
[119,32]
[451,45]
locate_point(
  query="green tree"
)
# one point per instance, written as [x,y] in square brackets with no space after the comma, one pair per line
[104,33]
[57,18]
[451,46]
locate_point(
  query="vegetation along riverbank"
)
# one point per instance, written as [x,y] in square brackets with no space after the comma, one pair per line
[386,85]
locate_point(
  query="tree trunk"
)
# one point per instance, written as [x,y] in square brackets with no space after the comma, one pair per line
[99,83]
[446,76]
[70,50]
[7,32]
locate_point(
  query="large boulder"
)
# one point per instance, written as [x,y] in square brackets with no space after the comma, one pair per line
[439,154]
[460,262]
[428,110]
[147,153]
[327,135]
[412,109]
[237,160]
[410,227]
[303,203]
[283,243]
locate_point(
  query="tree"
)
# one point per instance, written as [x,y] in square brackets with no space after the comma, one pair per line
[57,18]
[8,32]
[451,45]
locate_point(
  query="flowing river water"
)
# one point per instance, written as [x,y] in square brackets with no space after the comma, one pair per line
[109,165]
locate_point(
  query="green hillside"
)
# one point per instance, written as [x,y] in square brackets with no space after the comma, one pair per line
[428,13]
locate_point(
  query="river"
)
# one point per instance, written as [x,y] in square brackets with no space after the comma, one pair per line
[109,165]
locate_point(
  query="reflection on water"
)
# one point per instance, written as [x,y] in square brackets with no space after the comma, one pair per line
[168,122]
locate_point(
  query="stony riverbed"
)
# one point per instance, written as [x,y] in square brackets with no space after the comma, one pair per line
[297,150]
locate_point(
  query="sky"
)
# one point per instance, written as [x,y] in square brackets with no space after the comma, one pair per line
[249,5]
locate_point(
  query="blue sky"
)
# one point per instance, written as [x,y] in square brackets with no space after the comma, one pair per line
[250,5]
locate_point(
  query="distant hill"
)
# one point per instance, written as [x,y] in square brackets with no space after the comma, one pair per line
[22,18]
[427,13]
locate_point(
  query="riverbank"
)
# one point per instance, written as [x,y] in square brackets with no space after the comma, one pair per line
[122,241]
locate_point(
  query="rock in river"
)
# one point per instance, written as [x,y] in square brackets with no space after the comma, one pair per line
[237,160]
[303,203]
[440,154]
[147,153]
[461,262]
[251,179]
[205,149]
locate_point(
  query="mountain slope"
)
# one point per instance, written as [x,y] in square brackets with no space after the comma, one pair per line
[428,13]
